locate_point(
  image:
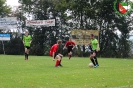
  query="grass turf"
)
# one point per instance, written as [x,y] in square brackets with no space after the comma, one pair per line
[39,72]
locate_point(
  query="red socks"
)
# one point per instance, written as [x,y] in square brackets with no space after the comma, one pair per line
[57,63]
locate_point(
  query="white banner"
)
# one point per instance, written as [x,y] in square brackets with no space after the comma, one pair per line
[4,37]
[8,22]
[50,22]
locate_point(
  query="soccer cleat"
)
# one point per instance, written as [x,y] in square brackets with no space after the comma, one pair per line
[95,66]
[56,66]
[60,65]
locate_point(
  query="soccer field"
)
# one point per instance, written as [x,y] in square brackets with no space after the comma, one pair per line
[39,72]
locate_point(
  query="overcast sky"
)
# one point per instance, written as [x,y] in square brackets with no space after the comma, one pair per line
[12,2]
[15,2]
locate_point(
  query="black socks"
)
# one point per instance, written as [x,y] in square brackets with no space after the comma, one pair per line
[26,56]
[95,58]
[92,60]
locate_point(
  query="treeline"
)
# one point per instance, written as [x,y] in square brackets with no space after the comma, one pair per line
[74,14]
[16,47]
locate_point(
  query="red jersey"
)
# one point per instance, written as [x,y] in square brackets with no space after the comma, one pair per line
[70,44]
[54,48]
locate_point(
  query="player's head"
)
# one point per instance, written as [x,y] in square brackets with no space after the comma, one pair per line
[59,42]
[26,32]
[91,36]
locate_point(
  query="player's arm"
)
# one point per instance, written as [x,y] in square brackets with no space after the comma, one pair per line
[30,40]
[54,51]
[65,45]
[74,45]
[23,42]
[53,56]
[98,48]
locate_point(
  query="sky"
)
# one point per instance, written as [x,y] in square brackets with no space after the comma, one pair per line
[15,2]
[12,2]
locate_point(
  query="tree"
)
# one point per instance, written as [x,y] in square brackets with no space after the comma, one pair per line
[42,36]
[100,15]
[4,9]
[78,14]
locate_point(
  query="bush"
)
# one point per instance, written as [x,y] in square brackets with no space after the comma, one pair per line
[36,50]
[14,47]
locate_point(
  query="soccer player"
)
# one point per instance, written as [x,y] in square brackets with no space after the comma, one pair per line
[27,39]
[70,45]
[56,52]
[94,47]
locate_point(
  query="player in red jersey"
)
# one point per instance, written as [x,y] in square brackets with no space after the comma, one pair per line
[55,52]
[70,45]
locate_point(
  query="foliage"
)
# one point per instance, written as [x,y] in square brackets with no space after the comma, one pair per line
[100,15]
[5,10]
[12,47]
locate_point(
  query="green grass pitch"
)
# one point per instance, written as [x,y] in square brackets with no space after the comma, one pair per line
[39,72]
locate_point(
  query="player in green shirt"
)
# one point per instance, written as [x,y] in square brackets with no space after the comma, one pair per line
[95,48]
[27,39]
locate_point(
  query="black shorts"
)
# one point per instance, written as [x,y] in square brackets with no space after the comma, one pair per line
[27,47]
[55,55]
[69,50]
[94,51]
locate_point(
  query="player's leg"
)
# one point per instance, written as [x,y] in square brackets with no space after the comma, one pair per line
[28,50]
[92,59]
[70,53]
[95,57]
[58,60]
[96,61]
[25,53]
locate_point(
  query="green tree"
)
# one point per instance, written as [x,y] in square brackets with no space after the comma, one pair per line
[42,36]
[100,15]
[79,14]
[4,9]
